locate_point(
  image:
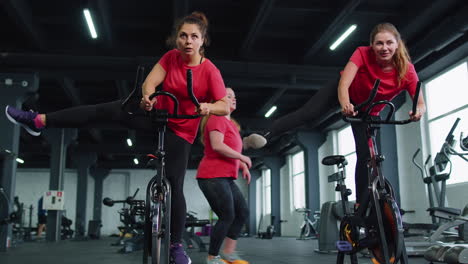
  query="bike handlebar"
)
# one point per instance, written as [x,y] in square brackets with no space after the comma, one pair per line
[370,105]
[176,102]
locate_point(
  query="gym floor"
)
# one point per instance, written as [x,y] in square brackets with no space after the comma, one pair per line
[257,251]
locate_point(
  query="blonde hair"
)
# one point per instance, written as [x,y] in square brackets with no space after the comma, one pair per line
[401,59]
[204,120]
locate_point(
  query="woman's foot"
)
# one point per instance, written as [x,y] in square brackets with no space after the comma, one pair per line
[234,258]
[26,119]
[178,254]
[215,260]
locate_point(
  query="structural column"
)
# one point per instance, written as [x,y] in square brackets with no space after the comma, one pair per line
[387,143]
[274,163]
[252,200]
[99,174]
[59,139]
[83,162]
[14,88]
[310,143]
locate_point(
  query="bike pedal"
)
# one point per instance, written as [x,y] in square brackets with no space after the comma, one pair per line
[344,246]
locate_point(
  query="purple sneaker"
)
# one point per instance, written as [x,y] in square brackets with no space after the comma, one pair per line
[178,254]
[24,119]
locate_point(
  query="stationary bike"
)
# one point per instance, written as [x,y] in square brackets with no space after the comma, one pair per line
[158,192]
[309,228]
[376,223]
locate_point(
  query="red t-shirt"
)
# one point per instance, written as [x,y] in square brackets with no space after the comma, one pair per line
[214,164]
[369,71]
[208,86]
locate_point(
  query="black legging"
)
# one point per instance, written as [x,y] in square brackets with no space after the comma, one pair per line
[317,106]
[177,149]
[92,115]
[227,202]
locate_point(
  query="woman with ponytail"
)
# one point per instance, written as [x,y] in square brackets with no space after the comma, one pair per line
[216,175]
[189,40]
[387,59]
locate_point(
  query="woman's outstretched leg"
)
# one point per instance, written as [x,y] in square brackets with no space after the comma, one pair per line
[77,117]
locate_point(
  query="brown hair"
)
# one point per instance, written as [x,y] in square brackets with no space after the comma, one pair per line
[197,18]
[401,59]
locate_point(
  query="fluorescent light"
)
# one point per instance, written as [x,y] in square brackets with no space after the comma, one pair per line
[272,109]
[343,37]
[129,142]
[135,160]
[19,160]
[89,20]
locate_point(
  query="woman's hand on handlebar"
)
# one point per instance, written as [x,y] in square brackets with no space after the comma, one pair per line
[348,110]
[416,116]
[147,104]
[203,109]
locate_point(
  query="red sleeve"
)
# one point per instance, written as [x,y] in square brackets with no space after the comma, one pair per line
[165,59]
[411,80]
[216,84]
[216,123]
[357,57]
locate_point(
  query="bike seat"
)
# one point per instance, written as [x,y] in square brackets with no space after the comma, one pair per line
[303,210]
[334,160]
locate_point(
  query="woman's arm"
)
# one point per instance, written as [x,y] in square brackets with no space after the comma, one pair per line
[347,77]
[153,80]
[245,172]
[217,143]
[219,108]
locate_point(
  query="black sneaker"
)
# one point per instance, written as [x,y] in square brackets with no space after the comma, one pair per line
[24,119]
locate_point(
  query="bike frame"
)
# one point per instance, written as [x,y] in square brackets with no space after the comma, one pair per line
[158,191]
[380,192]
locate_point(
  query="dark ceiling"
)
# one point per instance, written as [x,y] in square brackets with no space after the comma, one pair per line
[270,52]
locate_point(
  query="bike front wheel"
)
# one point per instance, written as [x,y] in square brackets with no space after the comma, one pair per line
[393,233]
[156,233]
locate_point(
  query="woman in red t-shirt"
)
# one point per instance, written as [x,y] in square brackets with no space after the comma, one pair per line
[190,38]
[386,59]
[216,174]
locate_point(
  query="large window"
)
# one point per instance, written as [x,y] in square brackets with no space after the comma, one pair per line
[298,179]
[266,186]
[346,147]
[447,100]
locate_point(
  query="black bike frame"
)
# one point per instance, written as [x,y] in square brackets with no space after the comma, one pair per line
[158,191]
[380,188]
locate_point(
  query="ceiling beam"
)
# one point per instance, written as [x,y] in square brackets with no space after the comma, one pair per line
[180,8]
[338,22]
[441,35]
[124,68]
[263,12]
[416,25]
[21,13]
